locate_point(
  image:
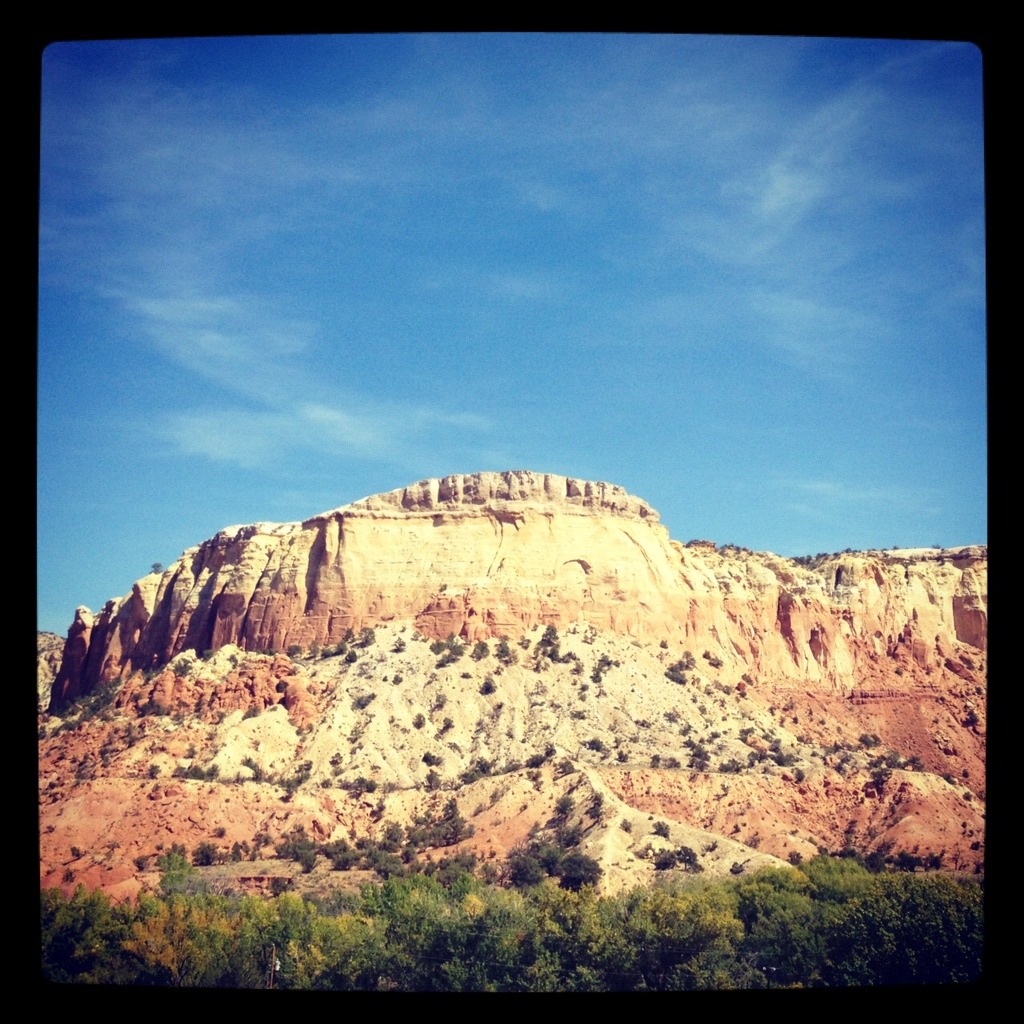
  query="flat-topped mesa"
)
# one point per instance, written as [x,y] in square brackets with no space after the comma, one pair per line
[492,490]
[487,555]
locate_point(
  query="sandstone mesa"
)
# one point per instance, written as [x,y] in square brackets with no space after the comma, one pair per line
[493,554]
[799,657]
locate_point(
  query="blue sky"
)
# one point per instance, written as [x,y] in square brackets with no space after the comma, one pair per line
[742,277]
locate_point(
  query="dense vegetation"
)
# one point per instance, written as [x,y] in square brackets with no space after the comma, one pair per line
[831,922]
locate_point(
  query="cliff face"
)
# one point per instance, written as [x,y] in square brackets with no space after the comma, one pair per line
[493,554]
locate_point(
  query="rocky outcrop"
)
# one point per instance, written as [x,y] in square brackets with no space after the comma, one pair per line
[49,650]
[492,554]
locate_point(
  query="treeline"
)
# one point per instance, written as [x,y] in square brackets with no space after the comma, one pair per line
[830,923]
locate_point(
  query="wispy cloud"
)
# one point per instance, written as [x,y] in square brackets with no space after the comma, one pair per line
[825,496]
[241,342]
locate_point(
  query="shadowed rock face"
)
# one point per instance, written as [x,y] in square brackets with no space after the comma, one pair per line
[492,554]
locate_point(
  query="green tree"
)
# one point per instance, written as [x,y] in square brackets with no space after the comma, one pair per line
[907,929]
[577,870]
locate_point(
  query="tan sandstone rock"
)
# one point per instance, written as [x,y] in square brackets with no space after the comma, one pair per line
[492,554]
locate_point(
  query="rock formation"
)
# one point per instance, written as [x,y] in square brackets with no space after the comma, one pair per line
[764,707]
[492,554]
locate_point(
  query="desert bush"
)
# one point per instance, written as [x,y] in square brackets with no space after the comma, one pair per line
[676,672]
[504,652]
[204,855]
[665,860]
[688,859]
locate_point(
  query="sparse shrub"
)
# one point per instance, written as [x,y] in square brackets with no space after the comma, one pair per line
[665,860]
[676,673]
[432,760]
[661,829]
[298,846]
[568,836]
[488,686]
[358,786]
[363,702]
[564,806]
[504,652]
[689,859]
[603,664]
[480,651]
[204,855]
[419,721]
